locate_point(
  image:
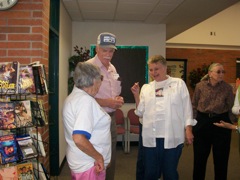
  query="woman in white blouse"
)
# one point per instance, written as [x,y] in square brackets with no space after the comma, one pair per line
[167,119]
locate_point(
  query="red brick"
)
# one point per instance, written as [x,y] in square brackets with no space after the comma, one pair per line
[3,22]
[15,14]
[36,45]
[14,45]
[24,37]
[37,14]
[29,22]
[3,37]
[3,53]
[37,59]
[14,29]
[25,53]
[37,29]
[30,6]
[3,59]
[21,60]
[30,1]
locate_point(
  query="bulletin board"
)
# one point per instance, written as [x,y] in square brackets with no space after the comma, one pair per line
[131,65]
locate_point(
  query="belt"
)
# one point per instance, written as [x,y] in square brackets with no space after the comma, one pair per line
[212,115]
[111,114]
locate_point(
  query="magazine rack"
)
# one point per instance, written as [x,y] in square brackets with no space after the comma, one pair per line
[21,116]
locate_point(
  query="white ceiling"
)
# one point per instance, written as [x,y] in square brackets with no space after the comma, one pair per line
[178,15]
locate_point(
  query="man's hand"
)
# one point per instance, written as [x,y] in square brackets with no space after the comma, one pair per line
[113,103]
[116,103]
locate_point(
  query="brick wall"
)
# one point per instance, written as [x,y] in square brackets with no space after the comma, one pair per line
[197,57]
[24,37]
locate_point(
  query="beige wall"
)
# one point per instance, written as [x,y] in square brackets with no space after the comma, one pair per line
[152,35]
[65,38]
[225,25]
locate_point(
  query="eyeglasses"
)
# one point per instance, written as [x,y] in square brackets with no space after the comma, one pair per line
[219,71]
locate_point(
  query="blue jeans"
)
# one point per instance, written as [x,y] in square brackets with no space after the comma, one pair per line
[159,161]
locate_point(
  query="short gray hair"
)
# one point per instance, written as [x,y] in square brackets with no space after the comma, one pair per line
[156,59]
[85,73]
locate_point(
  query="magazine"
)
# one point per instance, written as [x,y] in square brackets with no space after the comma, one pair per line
[25,171]
[26,80]
[9,173]
[8,149]
[9,75]
[37,139]
[7,115]
[23,114]
[27,147]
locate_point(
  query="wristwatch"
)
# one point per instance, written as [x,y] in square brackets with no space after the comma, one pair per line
[238,129]
[7,4]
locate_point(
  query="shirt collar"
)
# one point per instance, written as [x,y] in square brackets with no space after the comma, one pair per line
[218,83]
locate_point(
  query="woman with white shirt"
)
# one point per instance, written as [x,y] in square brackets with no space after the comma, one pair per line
[165,108]
[236,106]
[86,126]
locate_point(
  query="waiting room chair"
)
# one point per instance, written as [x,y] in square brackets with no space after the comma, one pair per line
[133,125]
[121,128]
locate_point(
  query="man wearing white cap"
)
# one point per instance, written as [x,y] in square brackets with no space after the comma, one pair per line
[110,89]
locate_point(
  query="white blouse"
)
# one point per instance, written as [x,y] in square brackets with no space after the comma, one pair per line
[236,106]
[178,112]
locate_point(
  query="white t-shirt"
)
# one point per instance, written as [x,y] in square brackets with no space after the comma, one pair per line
[83,115]
[159,125]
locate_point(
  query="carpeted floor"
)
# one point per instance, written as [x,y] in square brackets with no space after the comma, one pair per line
[126,164]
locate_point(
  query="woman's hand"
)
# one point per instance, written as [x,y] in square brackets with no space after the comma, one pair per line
[135,88]
[189,135]
[99,165]
[224,124]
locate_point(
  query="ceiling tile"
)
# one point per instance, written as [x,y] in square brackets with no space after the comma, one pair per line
[98,16]
[126,7]
[138,1]
[155,18]
[71,5]
[97,6]
[164,9]
[178,15]
[130,17]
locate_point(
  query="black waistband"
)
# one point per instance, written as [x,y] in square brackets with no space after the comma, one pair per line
[212,115]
